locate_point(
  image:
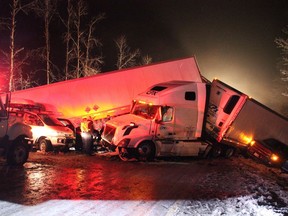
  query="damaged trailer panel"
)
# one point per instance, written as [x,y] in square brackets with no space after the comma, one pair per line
[235,119]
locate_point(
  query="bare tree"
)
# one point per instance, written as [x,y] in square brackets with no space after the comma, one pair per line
[80,12]
[16,7]
[91,63]
[146,60]
[4,23]
[282,43]
[46,9]
[126,58]
[68,38]
[81,53]
[24,81]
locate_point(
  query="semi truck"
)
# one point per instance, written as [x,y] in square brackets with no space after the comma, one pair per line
[15,136]
[168,119]
[179,118]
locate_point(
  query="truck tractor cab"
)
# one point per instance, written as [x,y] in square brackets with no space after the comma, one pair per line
[165,120]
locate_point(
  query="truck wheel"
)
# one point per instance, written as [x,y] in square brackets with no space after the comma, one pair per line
[146,151]
[216,151]
[45,146]
[229,152]
[17,154]
[88,144]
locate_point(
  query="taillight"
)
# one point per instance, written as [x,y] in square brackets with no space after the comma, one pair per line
[274,157]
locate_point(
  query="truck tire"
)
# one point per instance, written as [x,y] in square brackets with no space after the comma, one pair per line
[216,151]
[18,153]
[229,152]
[45,146]
[146,151]
[87,144]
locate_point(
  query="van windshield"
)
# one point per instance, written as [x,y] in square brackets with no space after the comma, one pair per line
[49,120]
[145,110]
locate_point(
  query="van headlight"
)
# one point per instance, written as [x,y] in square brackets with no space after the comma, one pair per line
[124,143]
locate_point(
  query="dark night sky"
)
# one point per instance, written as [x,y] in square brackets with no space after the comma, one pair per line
[232,39]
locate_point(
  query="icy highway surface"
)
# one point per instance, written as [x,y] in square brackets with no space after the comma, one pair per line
[76,184]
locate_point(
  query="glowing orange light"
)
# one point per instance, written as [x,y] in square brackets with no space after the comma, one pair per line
[246,138]
[142,102]
[274,157]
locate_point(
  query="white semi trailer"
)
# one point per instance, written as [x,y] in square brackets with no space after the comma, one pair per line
[108,93]
[236,120]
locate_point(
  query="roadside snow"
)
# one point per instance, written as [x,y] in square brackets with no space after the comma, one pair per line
[233,206]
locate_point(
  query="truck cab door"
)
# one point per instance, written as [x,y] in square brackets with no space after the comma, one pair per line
[165,129]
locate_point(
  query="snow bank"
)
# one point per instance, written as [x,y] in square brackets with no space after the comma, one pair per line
[241,206]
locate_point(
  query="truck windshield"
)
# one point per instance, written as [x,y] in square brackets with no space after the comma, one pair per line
[145,110]
[49,120]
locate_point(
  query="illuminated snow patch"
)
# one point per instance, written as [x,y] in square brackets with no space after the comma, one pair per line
[233,206]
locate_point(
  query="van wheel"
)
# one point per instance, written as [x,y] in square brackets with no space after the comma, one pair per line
[146,151]
[216,151]
[45,146]
[229,152]
[17,154]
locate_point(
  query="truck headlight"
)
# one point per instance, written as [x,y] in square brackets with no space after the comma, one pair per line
[124,143]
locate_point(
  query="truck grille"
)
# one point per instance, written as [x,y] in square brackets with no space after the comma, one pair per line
[108,133]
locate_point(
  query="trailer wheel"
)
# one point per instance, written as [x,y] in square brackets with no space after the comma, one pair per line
[229,152]
[146,151]
[216,151]
[45,146]
[18,153]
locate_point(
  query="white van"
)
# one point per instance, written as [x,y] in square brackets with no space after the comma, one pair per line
[47,131]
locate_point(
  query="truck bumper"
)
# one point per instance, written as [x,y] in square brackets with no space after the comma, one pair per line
[63,142]
[108,145]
